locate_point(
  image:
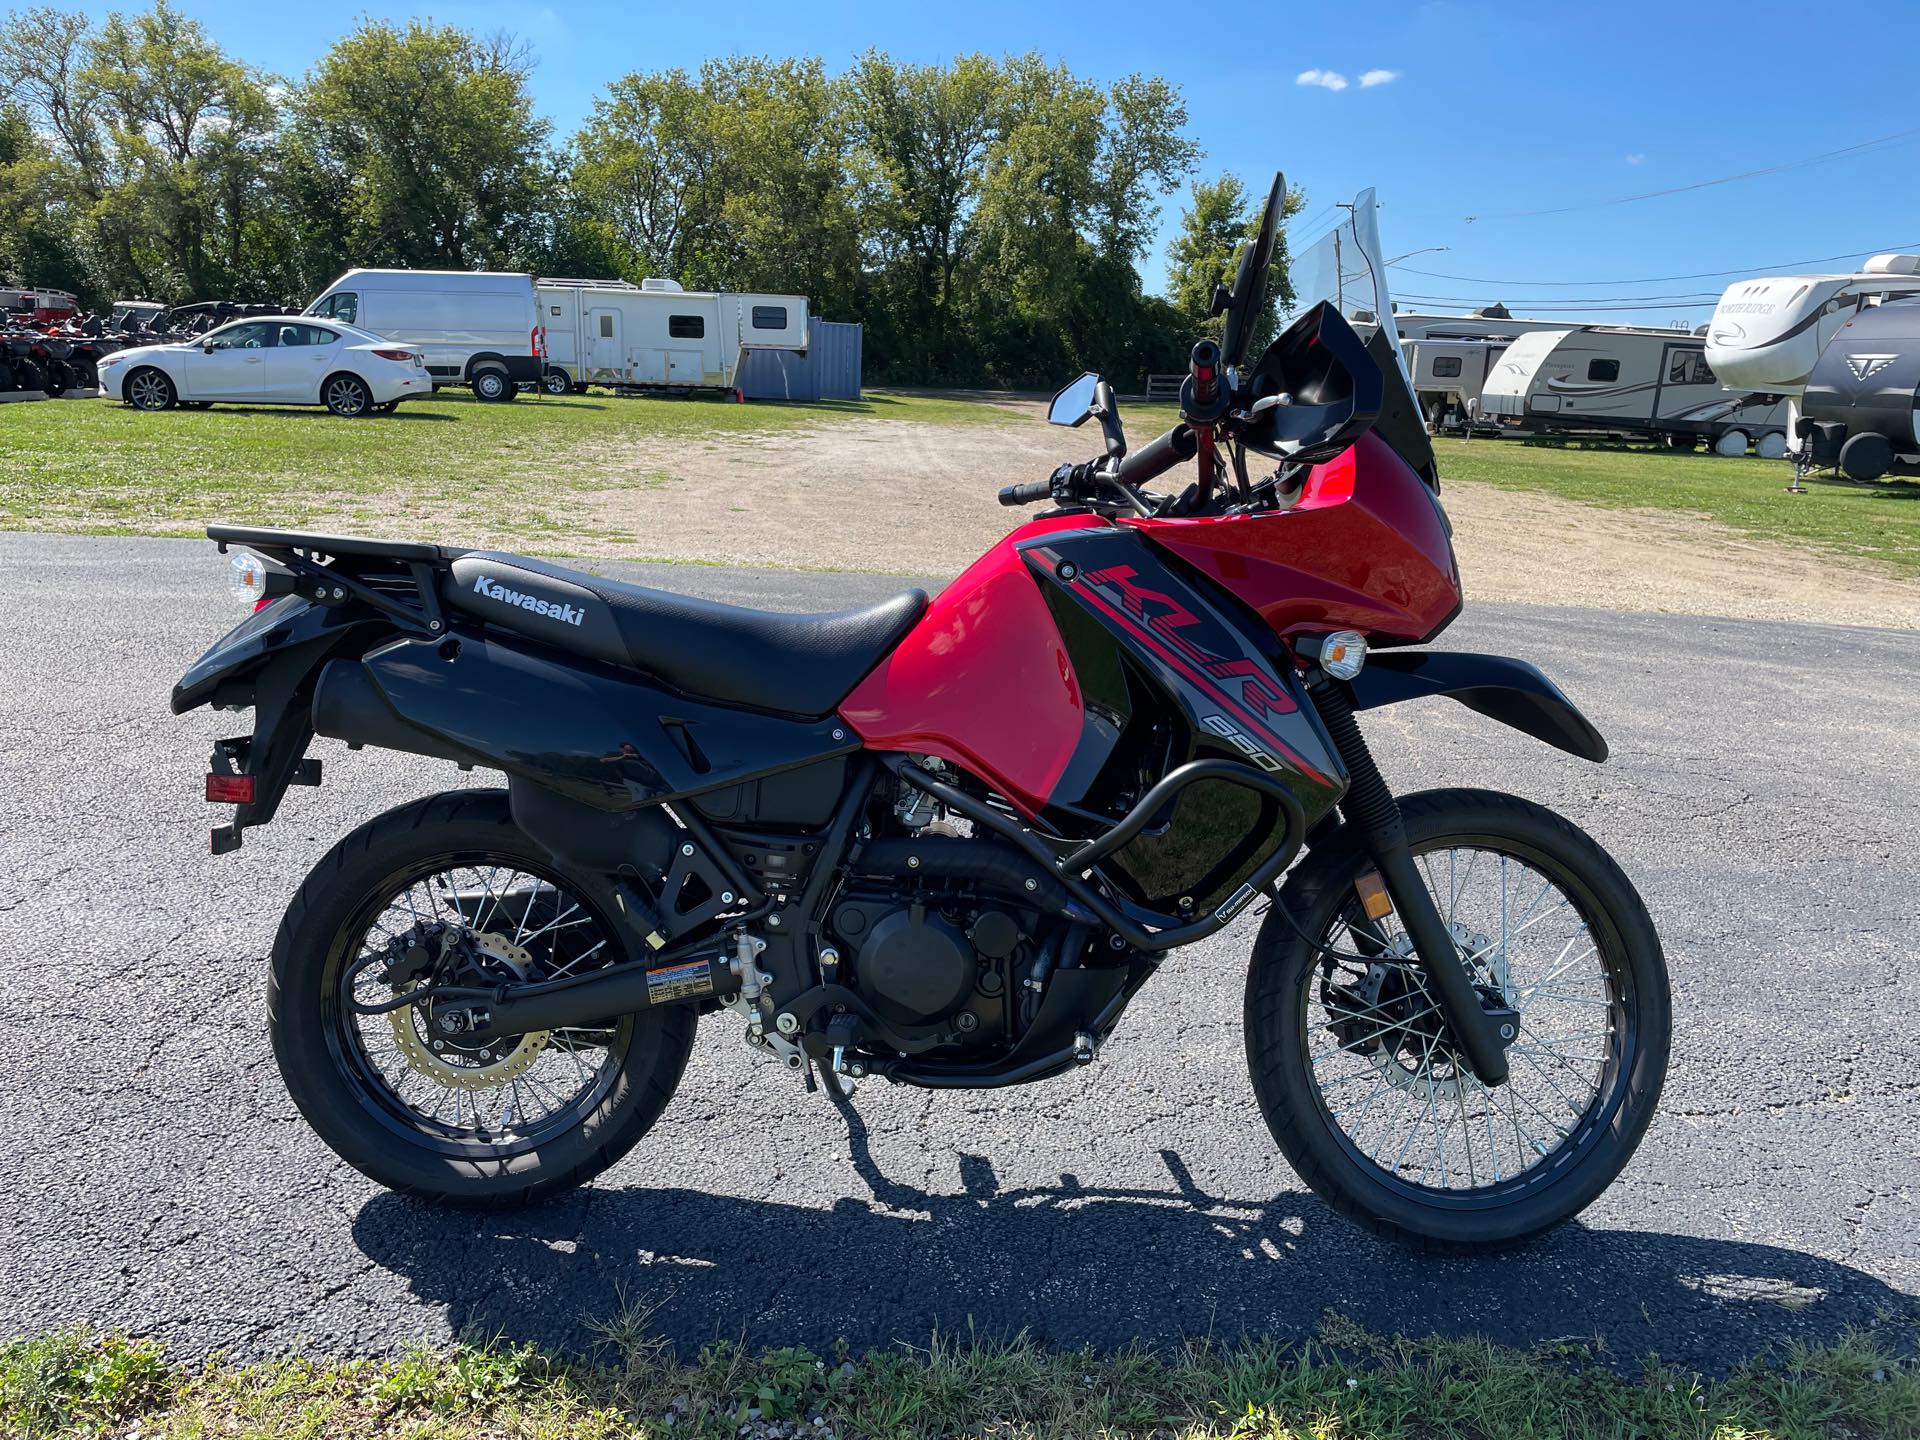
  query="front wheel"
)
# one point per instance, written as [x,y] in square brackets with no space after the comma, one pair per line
[449,890]
[1357,1074]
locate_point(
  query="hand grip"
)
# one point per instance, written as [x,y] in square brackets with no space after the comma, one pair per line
[1026,494]
[1159,456]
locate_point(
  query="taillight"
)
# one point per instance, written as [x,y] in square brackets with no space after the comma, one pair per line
[230,789]
[401,355]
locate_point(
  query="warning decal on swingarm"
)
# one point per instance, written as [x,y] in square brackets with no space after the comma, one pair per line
[679,982]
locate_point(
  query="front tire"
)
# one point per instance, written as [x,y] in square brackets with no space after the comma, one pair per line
[1352,1067]
[460,1127]
[150,389]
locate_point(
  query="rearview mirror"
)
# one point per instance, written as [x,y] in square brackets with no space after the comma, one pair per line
[1074,403]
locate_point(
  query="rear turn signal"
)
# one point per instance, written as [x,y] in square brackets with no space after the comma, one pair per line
[230,789]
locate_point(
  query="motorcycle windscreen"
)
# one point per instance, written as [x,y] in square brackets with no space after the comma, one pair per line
[1343,266]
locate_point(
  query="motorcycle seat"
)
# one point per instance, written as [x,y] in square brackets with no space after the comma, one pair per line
[765,659]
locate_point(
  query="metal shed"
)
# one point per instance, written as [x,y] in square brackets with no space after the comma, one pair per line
[828,369]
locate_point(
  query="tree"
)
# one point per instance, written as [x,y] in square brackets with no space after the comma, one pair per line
[427,140]
[190,138]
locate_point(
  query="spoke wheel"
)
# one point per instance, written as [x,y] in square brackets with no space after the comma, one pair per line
[512,923]
[1357,1071]
[1385,1067]
[450,890]
[348,396]
[149,390]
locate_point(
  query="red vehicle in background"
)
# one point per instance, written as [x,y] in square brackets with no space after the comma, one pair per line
[947,843]
[26,307]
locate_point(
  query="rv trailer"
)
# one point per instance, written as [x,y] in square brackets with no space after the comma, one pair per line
[1449,378]
[657,336]
[1450,356]
[1766,334]
[1861,405]
[1626,380]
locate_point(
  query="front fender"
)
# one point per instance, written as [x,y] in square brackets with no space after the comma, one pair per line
[1511,691]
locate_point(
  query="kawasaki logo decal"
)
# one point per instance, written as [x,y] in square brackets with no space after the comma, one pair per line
[566,614]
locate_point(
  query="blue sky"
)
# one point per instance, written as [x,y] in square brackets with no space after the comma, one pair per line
[1490,108]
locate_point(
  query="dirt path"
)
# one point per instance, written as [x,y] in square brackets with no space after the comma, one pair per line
[915,499]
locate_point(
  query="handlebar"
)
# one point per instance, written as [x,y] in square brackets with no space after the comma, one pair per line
[1026,494]
[1175,447]
[1084,482]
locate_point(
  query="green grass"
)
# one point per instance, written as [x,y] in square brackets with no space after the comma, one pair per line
[450,464]
[94,466]
[1342,1386]
[1878,522]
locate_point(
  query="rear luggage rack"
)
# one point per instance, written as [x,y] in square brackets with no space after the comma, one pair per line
[333,569]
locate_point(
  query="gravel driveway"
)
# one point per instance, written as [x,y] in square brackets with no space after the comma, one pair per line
[1763,794]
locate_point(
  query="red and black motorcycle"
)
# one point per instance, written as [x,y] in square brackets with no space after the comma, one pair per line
[947,842]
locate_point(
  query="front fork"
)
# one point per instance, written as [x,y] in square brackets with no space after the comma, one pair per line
[1483,1032]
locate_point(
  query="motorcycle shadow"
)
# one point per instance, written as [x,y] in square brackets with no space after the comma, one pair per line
[1074,1265]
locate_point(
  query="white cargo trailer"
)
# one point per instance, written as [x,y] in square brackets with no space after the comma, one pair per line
[657,336]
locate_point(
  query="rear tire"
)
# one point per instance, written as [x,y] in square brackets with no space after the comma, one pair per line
[1288,1014]
[493,386]
[321,1049]
[1732,444]
[347,396]
[557,382]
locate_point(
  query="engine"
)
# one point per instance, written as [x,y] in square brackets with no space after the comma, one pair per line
[935,965]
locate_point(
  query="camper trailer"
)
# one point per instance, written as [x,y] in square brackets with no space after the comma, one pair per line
[1623,380]
[1862,400]
[1449,377]
[1450,356]
[657,336]
[1766,334]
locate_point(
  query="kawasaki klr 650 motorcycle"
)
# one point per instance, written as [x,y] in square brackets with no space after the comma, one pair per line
[946,843]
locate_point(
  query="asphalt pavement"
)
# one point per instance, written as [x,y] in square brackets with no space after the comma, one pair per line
[1763,793]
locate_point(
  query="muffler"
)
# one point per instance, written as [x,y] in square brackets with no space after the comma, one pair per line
[582,1002]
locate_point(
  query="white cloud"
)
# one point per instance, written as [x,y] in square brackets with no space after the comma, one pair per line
[1378,77]
[1325,79]
[1636,158]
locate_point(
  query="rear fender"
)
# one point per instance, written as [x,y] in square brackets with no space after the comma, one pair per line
[1511,691]
[269,663]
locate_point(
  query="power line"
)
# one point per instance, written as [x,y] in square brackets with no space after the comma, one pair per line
[1820,159]
[1698,296]
[1772,267]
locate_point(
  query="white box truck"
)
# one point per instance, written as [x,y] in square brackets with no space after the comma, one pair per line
[475,327]
[656,336]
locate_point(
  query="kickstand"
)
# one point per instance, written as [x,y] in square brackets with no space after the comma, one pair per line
[839,1088]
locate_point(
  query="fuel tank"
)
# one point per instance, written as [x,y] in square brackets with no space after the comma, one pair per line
[1072,667]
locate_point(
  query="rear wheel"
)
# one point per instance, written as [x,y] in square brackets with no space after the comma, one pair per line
[492,386]
[1733,443]
[149,389]
[1357,1074]
[347,396]
[449,889]
[557,382]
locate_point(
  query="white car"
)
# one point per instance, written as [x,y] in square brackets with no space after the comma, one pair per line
[270,360]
